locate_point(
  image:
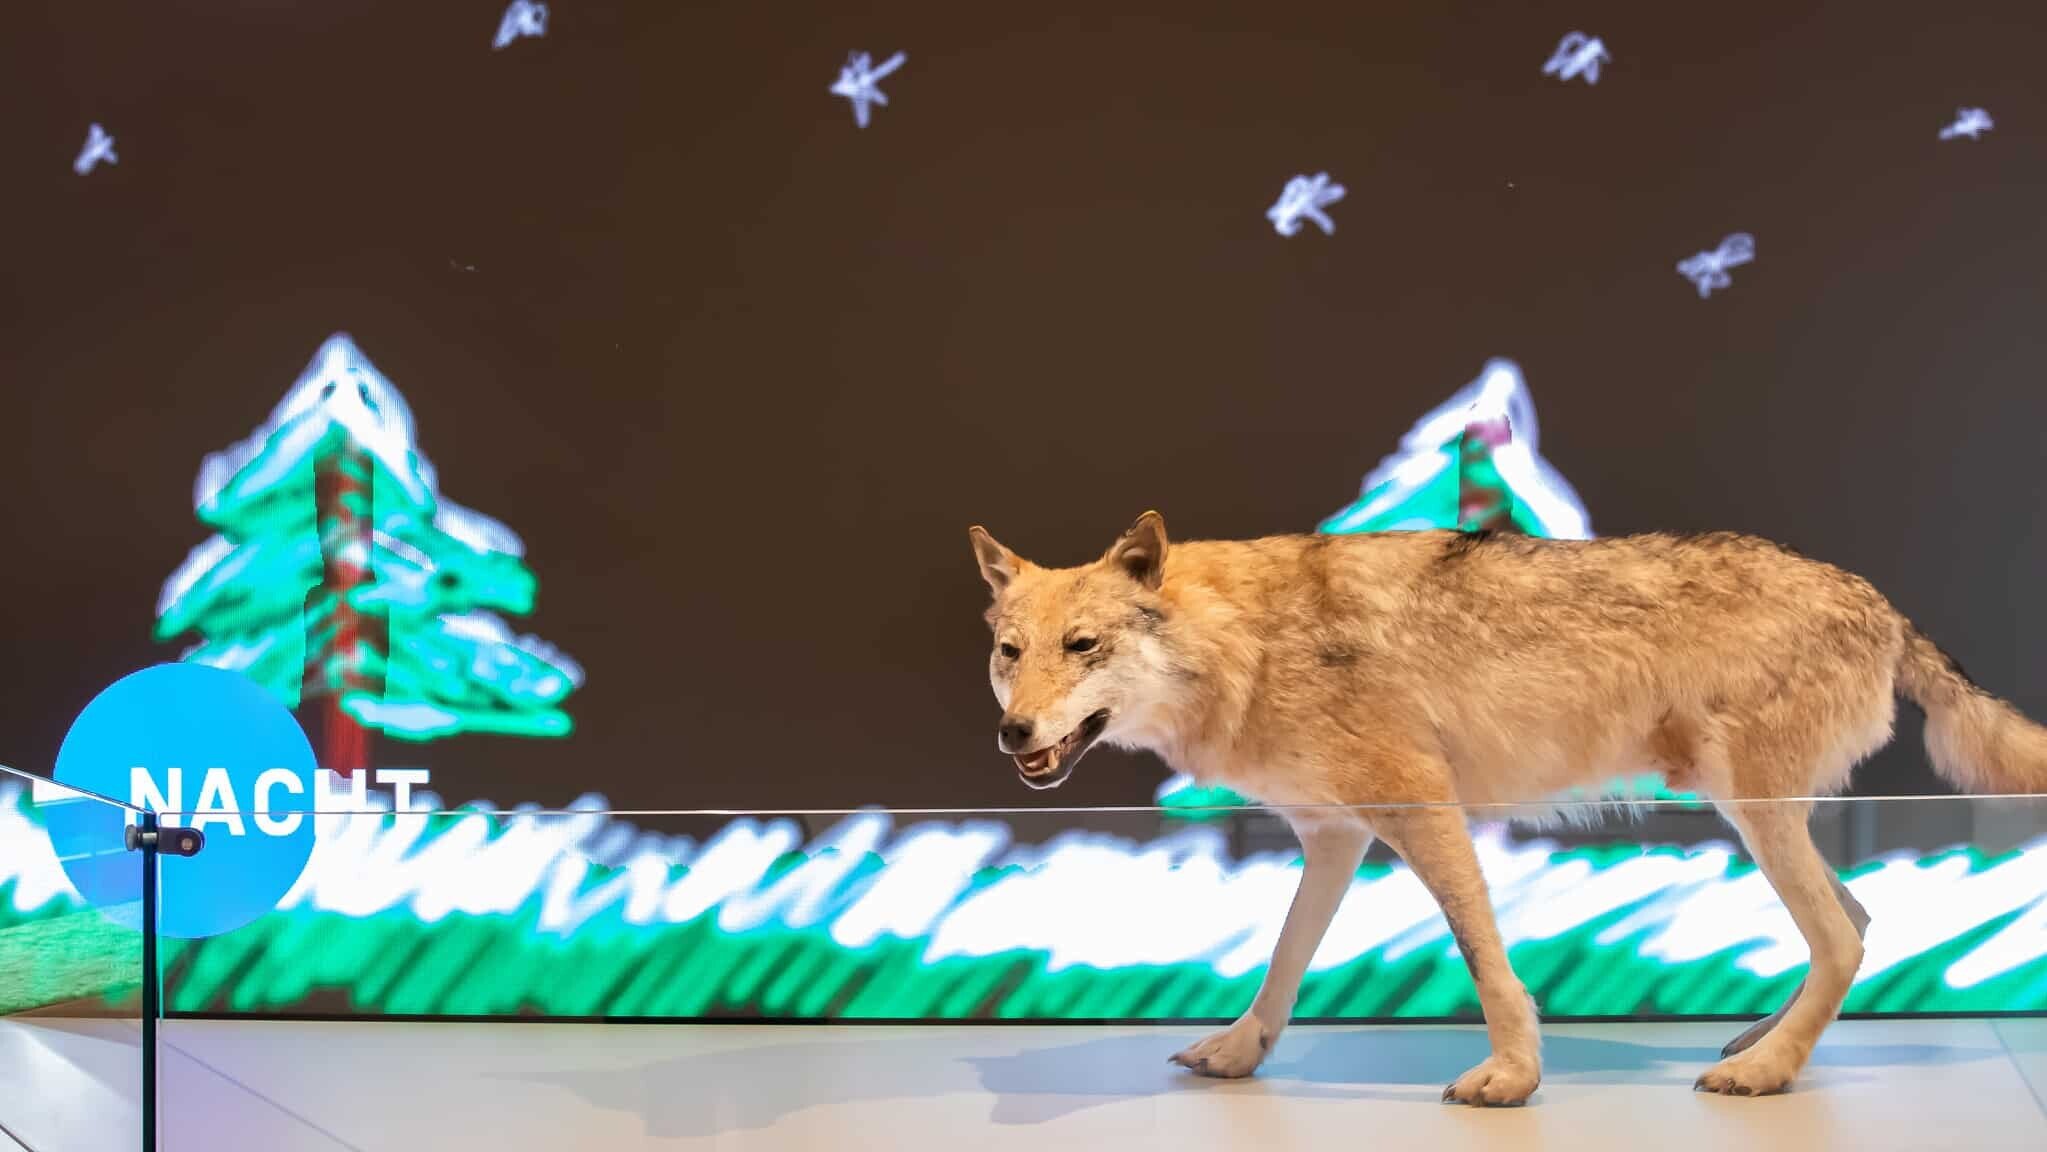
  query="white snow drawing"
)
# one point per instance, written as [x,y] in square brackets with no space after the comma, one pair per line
[524,18]
[98,146]
[1708,270]
[1577,55]
[1304,198]
[857,82]
[1970,122]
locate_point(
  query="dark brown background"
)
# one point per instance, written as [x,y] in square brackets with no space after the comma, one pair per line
[742,374]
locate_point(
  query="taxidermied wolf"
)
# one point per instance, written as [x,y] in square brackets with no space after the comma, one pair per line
[1373,685]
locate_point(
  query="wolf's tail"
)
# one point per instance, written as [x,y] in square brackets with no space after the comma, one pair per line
[1978,742]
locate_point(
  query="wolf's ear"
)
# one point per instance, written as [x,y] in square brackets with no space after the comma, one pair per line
[998,564]
[1141,553]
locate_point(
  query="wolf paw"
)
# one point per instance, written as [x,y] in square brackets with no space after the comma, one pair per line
[1760,1071]
[1496,1083]
[1233,1052]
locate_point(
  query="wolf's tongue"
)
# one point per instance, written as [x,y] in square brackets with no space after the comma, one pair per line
[1043,760]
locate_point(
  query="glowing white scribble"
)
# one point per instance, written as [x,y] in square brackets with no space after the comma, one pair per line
[1106,901]
[1970,122]
[818,888]
[1564,896]
[524,18]
[2019,943]
[1304,197]
[98,146]
[736,860]
[1577,55]
[1540,488]
[1708,270]
[933,864]
[857,82]
[28,860]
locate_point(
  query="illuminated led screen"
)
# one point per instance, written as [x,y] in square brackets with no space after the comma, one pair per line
[1167,916]
[734,378]
[581,914]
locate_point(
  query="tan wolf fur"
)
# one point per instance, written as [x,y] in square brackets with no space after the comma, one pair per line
[1441,669]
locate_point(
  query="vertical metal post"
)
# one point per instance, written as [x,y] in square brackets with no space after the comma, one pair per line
[151,993]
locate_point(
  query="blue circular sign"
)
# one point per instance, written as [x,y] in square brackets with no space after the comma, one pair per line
[212,751]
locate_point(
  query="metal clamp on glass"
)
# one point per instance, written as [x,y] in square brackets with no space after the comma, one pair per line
[176,841]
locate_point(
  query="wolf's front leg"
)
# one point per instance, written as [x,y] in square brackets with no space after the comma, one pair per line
[1331,851]
[1436,843]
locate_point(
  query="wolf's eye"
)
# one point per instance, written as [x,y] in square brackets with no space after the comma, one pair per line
[1081,644]
[1009,651]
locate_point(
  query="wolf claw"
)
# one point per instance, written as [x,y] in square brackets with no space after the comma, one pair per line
[1234,1052]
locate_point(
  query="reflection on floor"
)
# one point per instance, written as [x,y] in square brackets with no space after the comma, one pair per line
[276,1087]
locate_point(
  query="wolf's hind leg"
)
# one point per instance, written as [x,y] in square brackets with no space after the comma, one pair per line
[1331,849]
[1436,843]
[1857,916]
[1777,837]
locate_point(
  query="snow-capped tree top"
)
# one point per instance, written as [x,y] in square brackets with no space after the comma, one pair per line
[341,390]
[1498,391]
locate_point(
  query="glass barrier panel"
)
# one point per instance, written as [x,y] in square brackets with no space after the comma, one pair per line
[1653,910]
[76,1044]
[465,978]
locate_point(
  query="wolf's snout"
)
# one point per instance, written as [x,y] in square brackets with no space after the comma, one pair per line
[1013,734]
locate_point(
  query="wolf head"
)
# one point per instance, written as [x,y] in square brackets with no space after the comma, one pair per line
[1079,652]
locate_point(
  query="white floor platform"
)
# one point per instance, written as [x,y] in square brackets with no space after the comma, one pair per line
[277,1087]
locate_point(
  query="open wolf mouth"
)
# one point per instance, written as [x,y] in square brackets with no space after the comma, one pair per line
[1049,767]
